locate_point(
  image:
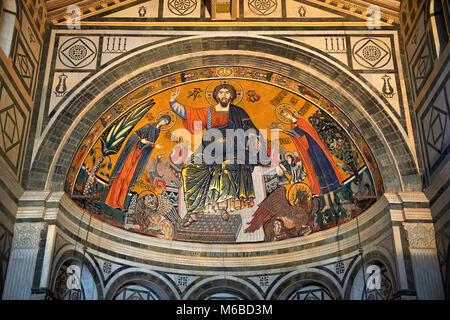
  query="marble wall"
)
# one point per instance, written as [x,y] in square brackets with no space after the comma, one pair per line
[21,36]
[426,26]
[56,89]
[325,265]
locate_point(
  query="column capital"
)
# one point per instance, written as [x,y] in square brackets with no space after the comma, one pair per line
[27,235]
[420,235]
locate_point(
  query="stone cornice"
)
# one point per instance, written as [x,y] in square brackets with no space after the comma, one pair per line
[122,245]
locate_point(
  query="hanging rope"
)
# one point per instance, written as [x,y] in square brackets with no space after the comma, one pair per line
[79,225]
[361,251]
[85,198]
[50,294]
[85,247]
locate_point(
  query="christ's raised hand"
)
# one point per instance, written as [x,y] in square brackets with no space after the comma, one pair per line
[177,107]
[174,94]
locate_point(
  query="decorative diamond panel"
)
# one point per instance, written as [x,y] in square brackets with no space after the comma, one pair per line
[371,53]
[435,122]
[77,52]
[24,66]
[12,126]
[421,68]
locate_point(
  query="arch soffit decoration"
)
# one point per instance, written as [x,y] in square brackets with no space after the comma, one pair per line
[148,278]
[293,280]
[377,256]
[107,290]
[395,161]
[69,254]
[213,285]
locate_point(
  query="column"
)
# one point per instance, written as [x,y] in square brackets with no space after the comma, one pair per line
[22,262]
[32,246]
[41,281]
[422,247]
[414,238]
[405,278]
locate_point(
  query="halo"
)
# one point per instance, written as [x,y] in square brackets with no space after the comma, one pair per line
[147,192]
[210,90]
[285,106]
[289,154]
[292,193]
[173,119]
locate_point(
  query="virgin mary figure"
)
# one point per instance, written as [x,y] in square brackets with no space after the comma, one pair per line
[129,167]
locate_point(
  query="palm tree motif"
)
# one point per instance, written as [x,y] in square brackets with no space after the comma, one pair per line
[113,141]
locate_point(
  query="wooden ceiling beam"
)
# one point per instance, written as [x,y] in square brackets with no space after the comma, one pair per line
[54,5]
[390,9]
[388,6]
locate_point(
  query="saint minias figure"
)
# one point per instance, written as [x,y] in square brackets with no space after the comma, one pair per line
[323,175]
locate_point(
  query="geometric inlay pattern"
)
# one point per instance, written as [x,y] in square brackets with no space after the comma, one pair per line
[422,68]
[24,65]
[59,243]
[8,128]
[12,126]
[339,267]
[385,290]
[310,292]
[135,292]
[437,128]
[182,281]
[68,285]
[377,285]
[182,7]
[262,7]
[73,282]
[107,267]
[443,249]
[371,53]
[77,52]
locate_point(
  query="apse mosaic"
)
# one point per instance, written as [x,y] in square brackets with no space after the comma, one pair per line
[224,155]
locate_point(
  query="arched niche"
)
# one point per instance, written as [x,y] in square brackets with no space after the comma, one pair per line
[100,168]
[75,278]
[310,291]
[135,291]
[378,281]
[139,285]
[221,289]
[308,285]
